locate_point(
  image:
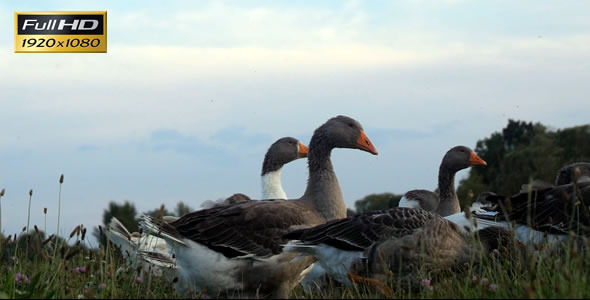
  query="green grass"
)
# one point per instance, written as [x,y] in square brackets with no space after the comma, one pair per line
[75,272]
[562,274]
[35,266]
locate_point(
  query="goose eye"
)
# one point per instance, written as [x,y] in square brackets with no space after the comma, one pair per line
[350,125]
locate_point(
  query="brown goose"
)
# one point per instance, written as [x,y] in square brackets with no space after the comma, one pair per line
[236,250]
[445,202]
[400,240]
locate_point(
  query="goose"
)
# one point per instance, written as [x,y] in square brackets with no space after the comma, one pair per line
[366,247]
[156,252]
[541,216]
[567,174]
[445,202]
[564,176]
[236,250]
[456,159]
[280,153]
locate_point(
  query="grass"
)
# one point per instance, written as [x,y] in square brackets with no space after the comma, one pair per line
[35,266]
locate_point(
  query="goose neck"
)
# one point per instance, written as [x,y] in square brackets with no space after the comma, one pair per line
[323,190]
[271,185]
[449,203]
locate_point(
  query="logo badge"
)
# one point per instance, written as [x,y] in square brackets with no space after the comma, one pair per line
[60,31]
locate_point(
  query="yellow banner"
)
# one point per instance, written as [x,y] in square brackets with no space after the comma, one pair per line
[60,32]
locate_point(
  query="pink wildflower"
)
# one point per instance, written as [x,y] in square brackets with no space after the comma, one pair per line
[484,281]
[22,278]
[493,287]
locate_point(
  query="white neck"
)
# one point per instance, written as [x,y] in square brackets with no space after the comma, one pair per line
[271,186]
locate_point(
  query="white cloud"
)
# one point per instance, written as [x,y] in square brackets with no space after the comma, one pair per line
[134,90]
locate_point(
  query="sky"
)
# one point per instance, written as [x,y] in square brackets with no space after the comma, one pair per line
[192,93]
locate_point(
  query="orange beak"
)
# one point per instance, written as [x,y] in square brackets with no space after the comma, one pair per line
[475,160]
[302,151]
[365,144]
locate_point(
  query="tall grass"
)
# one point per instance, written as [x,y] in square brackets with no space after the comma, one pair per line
[33,265]
[1,195]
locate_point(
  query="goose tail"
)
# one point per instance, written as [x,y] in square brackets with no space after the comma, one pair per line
[120,236]
[160,229]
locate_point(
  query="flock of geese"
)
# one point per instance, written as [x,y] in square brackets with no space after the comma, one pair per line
[264,248]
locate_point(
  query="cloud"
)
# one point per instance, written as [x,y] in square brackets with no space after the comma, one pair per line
[133,91]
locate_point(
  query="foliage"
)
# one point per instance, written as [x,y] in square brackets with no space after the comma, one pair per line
[73,271]
[377,202]
[77,270]
[126,213]
[523,152]
[182,209]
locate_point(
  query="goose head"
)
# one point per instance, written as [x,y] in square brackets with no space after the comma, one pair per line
[461,157]
[345,132]
[281,152]
[572,173]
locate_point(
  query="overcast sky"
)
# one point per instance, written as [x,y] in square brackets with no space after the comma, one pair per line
[191,94]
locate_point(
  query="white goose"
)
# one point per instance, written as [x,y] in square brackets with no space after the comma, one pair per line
[156,251]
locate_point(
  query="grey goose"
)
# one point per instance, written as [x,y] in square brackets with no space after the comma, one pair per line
[564,175]
[445,202]
[567,174]
[280,153]
[236,250]
[366,247]
[538,216]
[154,254]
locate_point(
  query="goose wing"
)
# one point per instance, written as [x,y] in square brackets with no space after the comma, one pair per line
[553,209]
[246,229]
[361,231]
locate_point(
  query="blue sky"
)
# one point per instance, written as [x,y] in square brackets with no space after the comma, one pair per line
[191,94]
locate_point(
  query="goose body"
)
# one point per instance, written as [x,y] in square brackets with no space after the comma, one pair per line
[445,202]
[133,245]
[153,252]
[543,216]
[565,175]
[374,243]
[236,250]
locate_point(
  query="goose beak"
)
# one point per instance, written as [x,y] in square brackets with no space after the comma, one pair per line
[302,151]
[363,143]
[475,160]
